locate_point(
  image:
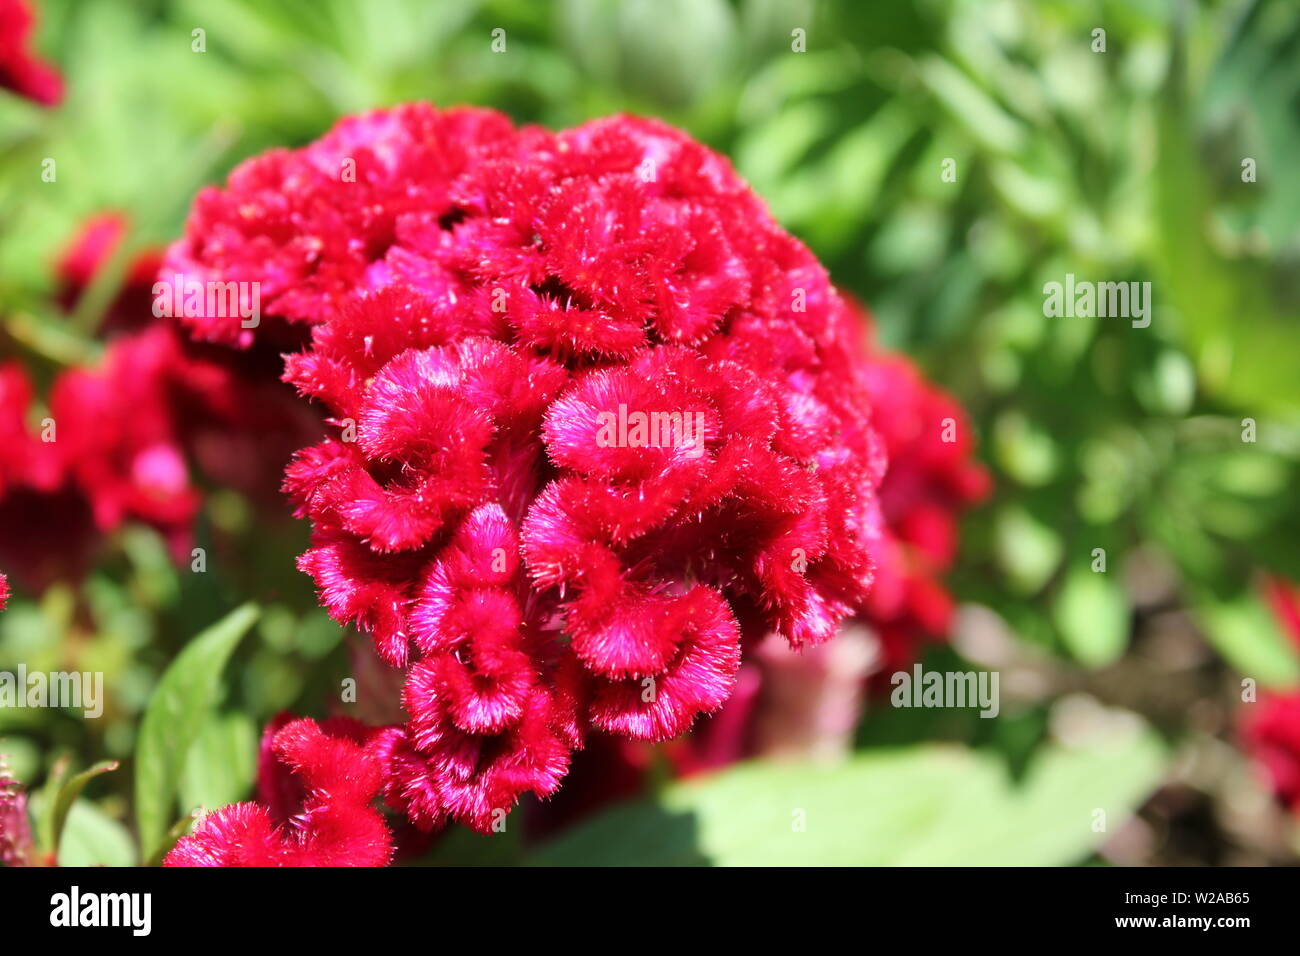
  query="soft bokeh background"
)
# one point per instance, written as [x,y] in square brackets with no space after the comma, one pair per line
[1120,690]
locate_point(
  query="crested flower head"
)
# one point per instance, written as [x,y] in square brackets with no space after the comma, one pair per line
[599,423]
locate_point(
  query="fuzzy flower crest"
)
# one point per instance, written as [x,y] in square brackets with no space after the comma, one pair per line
[599,423]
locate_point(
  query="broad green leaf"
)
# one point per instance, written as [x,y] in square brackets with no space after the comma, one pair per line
[93,838]
[68,794]
[219,768]
[1092,615]
[180,706]
[931,805]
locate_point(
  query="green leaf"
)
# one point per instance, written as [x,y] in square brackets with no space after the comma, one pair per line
[219,768]
[43,804]
[93,838]
[931,805]
[1251,641]
[68,794]
[1092,615]
[174,718]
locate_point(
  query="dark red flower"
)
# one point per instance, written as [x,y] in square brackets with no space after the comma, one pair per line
[47,520]
[120,441]
[317,784]
[21,71]
[597,419]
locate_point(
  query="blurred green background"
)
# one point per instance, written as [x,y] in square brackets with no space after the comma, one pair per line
[1119,165]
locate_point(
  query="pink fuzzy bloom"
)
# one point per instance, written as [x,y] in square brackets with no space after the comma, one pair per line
[317,783]
[599,423]
[21,71]
[4,592]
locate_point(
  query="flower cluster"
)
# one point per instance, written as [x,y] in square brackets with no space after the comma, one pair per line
[316,784]
[599,423]
[121,435]
[105,454]
[21,71]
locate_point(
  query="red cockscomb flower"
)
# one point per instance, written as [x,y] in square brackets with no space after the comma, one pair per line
[20,70]
[4,592]
[317,783]
[599,421]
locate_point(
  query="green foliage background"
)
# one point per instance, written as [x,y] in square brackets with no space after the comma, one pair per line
[1116,165]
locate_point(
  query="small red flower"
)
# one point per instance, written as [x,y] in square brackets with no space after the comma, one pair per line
[20,70]
[317,783]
